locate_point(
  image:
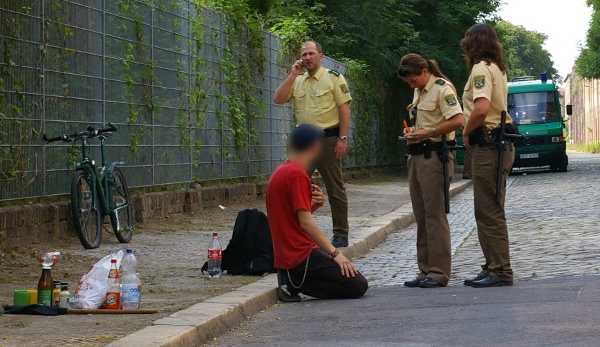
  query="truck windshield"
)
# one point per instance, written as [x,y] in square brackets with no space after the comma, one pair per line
[533,108]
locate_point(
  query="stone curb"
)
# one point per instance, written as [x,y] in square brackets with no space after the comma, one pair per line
[210,318]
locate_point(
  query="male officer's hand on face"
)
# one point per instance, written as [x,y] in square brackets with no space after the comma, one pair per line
[341,148]
[297,67]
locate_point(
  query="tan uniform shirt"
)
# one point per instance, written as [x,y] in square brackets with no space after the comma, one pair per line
[317,98]
[487,81]
[435,103]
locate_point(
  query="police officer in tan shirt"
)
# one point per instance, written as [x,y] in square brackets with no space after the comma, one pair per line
[438,112]
[484,99]
[321,97]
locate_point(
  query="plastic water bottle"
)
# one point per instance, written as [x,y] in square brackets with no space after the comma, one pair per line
[129,262]
[50,259]
[130,291]
[214,257]
[130,295]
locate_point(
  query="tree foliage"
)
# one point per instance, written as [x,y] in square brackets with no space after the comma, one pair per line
[379,32]
[588,63]
[440,26]
[524,51]
[372,31]
[370,36]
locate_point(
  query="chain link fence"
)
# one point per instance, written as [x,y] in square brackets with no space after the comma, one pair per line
[65,65]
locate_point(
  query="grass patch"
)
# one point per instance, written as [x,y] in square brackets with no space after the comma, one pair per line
[587,148]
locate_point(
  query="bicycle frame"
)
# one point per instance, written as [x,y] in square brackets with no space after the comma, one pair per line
[101,178]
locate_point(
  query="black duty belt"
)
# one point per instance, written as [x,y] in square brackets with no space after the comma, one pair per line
[482,137]
[426,147]
[332,132]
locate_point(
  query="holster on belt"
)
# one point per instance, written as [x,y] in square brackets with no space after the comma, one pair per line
[482,137]
[509,129]
[423,147]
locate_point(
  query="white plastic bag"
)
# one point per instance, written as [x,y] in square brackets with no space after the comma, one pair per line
[91,288]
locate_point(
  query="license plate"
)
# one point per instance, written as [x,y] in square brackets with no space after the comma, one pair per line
[530,156]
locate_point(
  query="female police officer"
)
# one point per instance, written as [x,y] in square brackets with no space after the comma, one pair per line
[484,99]
[437,112]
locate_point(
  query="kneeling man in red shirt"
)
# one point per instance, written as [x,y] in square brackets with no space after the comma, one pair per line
[307,262]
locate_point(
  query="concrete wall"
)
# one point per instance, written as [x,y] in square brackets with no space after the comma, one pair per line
[38,223]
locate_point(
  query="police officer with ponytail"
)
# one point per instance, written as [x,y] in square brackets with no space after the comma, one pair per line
[436,112]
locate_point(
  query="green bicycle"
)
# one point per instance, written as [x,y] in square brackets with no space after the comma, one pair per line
[97,192]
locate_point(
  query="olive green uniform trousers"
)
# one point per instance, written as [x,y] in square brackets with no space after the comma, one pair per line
[490,216]
[467,169]
[426,185]
[330,168]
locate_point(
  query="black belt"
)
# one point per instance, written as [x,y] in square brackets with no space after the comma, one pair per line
[426,147]
[332,132]
[482,137]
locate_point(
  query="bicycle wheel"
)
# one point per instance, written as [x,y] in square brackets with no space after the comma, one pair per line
[87,218]
[121,217]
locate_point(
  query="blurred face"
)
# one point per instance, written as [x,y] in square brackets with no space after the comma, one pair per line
[417,81]
[315,152]
[311,57]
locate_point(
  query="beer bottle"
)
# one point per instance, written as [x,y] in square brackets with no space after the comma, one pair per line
[45,287]
[55,293]
[113,290]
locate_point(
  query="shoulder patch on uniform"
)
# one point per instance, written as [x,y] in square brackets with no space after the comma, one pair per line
[479,81]
[344,88]
[441,82]
[335,73]
[451,100]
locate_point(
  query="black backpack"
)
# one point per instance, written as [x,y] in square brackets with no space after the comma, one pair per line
[250,251]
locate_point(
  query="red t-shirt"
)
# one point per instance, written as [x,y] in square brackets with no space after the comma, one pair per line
[288,191]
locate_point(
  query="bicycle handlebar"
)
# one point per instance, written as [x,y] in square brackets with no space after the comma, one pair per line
[54,139]
[90,132]
[111,127]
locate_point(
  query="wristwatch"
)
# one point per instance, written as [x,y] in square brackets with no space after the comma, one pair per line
[434,133]
[343,138]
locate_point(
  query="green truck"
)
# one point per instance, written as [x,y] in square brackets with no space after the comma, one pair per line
[534,105]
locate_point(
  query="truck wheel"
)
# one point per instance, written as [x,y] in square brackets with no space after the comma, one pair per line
[563,164]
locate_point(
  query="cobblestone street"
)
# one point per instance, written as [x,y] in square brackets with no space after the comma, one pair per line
[554,224]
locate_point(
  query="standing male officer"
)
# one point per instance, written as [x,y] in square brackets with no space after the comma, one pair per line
[321,98]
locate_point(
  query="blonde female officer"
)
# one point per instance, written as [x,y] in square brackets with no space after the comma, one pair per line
[437,113]
[485,97]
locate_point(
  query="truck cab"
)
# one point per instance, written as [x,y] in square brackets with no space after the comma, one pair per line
[534,105]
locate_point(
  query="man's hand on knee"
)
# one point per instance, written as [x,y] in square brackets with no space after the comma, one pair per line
[346,266]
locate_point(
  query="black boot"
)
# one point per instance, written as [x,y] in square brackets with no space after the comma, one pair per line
[286,292]
[339,241]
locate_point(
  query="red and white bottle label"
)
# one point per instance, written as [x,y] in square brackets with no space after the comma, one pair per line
[214,254]
[113,301]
